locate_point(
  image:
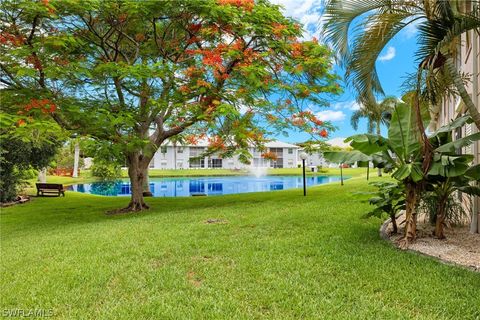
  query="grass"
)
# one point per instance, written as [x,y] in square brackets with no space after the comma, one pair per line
[275,255]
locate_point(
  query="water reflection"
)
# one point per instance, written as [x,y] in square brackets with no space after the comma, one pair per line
[184,187]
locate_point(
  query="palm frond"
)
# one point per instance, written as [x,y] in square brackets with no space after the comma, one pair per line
[355,118]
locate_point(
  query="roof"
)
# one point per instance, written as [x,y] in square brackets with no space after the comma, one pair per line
[338,142]
[280,144]
[204,143]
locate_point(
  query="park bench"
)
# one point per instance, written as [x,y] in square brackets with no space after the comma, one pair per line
[43,188]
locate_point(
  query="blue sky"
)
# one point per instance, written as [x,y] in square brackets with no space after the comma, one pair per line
[393,65]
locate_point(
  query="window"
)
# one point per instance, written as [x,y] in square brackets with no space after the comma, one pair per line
[215,163]
[290,150]
[163,149]
[179,150]
[277,151]
[276,163]
[152,164]
[196,160]
[197,163]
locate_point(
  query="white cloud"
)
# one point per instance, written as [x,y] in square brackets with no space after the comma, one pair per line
[411,29]
[307,12]
[330,115]
[347,105]
[389,55]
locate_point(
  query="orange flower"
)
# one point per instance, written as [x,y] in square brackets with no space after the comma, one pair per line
[269,155]
[278,29]
[324,133]
[245,4]
[139,37]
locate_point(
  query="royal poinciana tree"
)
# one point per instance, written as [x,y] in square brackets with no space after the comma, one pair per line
[134,74]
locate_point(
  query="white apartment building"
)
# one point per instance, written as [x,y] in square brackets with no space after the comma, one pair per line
[178,156]
[468,62]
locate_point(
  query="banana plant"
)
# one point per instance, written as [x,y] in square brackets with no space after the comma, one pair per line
[401,153]
[389,198]
[450,171]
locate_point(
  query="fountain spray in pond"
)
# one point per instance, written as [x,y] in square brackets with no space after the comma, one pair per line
[258,171]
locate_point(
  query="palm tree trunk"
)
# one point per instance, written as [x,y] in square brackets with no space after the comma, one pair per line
[466,98]
[379,133]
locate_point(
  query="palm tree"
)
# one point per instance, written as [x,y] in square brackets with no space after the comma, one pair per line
[376,113]
[440,23]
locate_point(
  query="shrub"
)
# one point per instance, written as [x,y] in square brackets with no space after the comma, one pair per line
[18,159]
[455,212]
[389,199]
[106,171]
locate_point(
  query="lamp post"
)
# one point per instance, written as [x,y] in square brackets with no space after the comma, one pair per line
[304,156]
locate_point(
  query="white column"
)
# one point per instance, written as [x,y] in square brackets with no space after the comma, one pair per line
[42,175]
[76,160]
[475,225]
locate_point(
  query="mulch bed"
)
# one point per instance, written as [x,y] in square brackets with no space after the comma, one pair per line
[18,200]
[460,247]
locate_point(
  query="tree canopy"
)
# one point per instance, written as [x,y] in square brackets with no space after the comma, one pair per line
[134,73]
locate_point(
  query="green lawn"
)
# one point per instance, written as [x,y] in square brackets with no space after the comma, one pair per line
[277,255]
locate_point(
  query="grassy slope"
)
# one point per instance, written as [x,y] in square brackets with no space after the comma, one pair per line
[280,256]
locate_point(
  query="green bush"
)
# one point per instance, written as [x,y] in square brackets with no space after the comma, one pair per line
[106,171]
[18,159]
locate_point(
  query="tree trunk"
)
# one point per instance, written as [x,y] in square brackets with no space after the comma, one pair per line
[394,223]
[76,160]
[136,170]
[379,133]
[146,184]
[466,98]
[411,214]
[440,219]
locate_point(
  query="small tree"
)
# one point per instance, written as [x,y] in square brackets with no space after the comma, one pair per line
[139,73]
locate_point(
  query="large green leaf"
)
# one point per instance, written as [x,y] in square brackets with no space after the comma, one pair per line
[457,123]
[459,143]
[450,166]
[409,170]
[471,190]
[403,133]
[349,157]
[368,143]
[473,172]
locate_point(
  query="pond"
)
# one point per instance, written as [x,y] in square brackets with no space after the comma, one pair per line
[191,186]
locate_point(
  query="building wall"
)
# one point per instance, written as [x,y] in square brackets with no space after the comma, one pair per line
[315,159]
[468,62]
[179,158]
